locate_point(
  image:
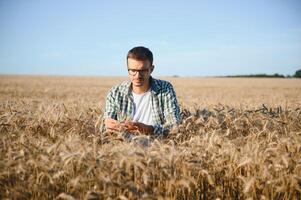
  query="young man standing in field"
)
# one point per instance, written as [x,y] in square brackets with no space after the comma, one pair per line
[143,104]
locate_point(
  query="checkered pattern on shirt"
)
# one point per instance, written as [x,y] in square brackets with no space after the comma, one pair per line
[165,108]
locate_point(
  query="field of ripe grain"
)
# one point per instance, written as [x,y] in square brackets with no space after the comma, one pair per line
[240,139]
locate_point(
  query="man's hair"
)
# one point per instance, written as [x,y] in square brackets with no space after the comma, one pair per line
[140,53]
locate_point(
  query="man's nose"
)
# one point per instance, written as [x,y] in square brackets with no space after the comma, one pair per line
[139,74]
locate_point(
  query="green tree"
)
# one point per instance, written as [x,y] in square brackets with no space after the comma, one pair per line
[298,74]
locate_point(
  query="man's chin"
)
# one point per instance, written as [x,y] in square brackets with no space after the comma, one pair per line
[138,83]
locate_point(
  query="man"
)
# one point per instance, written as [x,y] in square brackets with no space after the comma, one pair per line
[143,104]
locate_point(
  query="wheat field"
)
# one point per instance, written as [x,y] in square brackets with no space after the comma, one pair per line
[240,139]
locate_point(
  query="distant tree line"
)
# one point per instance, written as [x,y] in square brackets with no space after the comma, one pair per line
[276,75]
[298,74]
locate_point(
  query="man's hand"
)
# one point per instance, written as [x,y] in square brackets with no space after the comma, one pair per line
[140,127]
[112,124]
[132,127]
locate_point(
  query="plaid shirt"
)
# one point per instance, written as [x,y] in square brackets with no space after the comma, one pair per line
[165,108]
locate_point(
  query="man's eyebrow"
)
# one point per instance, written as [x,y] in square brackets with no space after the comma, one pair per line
[137,69]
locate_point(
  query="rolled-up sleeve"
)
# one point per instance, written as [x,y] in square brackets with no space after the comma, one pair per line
[171,112]
[110,107]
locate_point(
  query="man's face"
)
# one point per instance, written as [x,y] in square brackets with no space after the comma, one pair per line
[139,72]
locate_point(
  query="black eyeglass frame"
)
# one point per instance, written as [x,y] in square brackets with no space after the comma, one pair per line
[133,72]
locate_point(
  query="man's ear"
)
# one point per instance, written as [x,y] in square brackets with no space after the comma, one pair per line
[152,68]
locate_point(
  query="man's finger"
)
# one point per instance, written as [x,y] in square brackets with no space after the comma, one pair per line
[131,127]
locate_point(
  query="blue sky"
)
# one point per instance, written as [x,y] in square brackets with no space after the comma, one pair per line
[187,38]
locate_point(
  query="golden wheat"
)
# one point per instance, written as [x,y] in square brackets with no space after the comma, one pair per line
[239,139]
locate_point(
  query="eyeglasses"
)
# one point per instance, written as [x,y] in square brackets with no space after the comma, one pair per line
[133,72]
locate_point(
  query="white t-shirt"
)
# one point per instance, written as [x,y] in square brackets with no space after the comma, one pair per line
[143,108]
